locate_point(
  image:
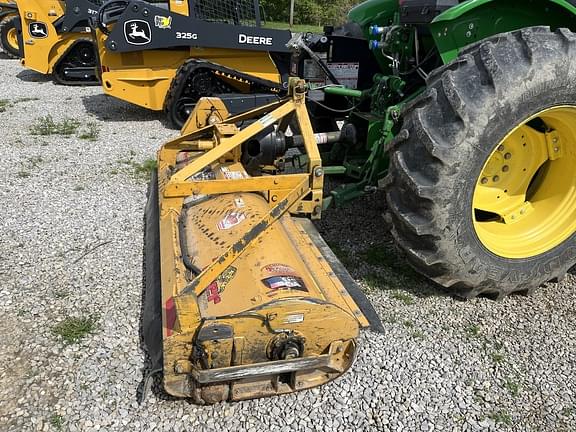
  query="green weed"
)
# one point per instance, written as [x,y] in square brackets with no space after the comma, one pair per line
[403,297]
[72,329]
[47,126]
[57,421]
[90,132]
[501,417]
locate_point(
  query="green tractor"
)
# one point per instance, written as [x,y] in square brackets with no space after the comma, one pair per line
[465,113]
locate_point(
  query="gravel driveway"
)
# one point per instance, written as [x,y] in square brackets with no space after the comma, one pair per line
[71,210]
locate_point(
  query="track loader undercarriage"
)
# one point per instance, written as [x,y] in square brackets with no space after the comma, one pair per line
[253,302]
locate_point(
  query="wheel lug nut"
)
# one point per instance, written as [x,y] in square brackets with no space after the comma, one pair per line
[505,168]
[495,178]
[508,156]
[484,180]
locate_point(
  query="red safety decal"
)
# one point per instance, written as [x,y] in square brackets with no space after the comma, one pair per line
[170,310]
[231,220]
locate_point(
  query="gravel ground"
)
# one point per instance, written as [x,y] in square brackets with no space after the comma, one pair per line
[70,246]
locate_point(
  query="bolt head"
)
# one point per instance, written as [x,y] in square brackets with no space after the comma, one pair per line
[495,178]
[484,180]
[500,147]
[505,168]
[318,172]
[508,156]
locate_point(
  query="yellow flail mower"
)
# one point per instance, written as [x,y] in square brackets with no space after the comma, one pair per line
[253,303]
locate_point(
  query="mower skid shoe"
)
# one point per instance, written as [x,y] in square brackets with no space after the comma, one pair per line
[151,312]
[340,271]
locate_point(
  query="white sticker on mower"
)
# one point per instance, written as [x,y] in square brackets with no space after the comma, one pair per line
[294,318]
[137,32]
[239,202]
[267,120]
[232,175]
[231,220]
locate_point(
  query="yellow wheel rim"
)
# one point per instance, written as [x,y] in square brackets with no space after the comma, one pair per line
[12,38]
[524,202]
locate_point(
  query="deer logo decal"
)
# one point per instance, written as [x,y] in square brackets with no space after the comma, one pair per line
[38,30]
[137,32]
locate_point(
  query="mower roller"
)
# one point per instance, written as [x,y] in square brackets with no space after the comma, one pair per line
[463,113]
[167,56]
[9,29]
[56,38]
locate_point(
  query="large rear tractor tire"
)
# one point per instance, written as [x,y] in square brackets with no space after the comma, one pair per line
[482,182]
[9,37]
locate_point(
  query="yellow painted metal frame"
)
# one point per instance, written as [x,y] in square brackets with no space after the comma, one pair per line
[42,55]
[296,193]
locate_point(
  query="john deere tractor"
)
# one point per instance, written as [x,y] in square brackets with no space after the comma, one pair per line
[463,112]
[166,56]
[9,29]
[56,38]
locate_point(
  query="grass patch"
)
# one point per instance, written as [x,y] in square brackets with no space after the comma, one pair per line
[408,324]
[78,188]
[403,297]
[473,330]
[513,387]
[47,126]
[296,28]
[90,132]
[343,255]
[26,99]
[145,169]
[374,281]
[140,170]
[497,357]
[417,334]
[73,329]
[23,174]
[4,104]
[501,417]
[56,421]
[377,255]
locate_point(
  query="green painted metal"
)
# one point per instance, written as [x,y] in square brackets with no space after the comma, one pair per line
[366,163]
[344,91]
[475,20]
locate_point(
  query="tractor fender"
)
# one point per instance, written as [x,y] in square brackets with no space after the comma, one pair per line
[475,20]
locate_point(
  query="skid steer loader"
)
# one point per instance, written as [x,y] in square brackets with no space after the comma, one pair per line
[9,29]
[466,118]
[167,56]
[56,38]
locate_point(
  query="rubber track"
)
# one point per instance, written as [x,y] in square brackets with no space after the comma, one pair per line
[188,68]
[61,80]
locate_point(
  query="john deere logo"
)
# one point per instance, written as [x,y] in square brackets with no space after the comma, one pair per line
[137,32]
[38,30]
[163,22]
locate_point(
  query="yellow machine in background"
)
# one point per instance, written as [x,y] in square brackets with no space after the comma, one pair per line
[167,57]
[9,29]
[56,39]
[253,302]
